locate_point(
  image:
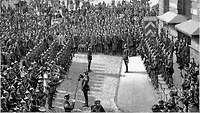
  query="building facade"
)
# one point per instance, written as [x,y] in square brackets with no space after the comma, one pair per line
[191,10]
[186,31]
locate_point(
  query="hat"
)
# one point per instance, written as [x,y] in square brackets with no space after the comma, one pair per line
[26,98]
[22,101]
[40,77]
[97,101]
[86,72]
[37,90]
[3,98]
[30,68]
[31,89]
[40,81]
[67,96]
[27,92]
[125,45]
[5,92]
[161,102]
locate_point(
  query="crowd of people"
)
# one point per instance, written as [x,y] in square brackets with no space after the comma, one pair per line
[35,57]
[37,52]
[108,27]
[157,53]
[187,98]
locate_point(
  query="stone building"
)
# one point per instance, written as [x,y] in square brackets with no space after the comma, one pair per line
[181,20]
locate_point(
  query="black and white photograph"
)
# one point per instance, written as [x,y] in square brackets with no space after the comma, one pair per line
[99,55]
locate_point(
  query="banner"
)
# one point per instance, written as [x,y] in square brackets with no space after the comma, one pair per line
[150,26]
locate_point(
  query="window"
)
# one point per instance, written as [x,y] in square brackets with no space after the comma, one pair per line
[184,7]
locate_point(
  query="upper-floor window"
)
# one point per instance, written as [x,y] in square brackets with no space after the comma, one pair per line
[181,7]
[184,7]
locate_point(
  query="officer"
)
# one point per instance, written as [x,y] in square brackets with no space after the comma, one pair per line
[97,107]
[125,56]
[67,105]
[89,55]
[85,86]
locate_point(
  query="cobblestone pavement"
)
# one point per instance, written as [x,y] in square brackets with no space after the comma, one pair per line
[103,82]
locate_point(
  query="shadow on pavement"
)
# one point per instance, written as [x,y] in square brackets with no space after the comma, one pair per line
[108,74]
[141,72]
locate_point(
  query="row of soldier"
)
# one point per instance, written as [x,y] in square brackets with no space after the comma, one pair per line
[24,28]
[185,99]
[108,27]
[25,44]
[157,55]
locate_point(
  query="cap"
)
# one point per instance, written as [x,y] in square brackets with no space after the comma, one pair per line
[22,101]
[67,96]
[97,101]
[31,89]
[26,98]
[125,45]
[161,102]
[5,92]
[40,81]
[37,90]
[86,72]
[30,68]
[27,92]
[3,98]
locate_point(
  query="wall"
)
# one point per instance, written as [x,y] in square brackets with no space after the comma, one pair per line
[195,15]
[195,10]
[173,5]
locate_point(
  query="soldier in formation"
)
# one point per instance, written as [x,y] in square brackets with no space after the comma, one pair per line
[158,52]
[89,57]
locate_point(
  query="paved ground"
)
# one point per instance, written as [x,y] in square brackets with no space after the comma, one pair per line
[135,93]
[103,81]
[178,80]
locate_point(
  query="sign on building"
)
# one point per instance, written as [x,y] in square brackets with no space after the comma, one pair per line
[150,27]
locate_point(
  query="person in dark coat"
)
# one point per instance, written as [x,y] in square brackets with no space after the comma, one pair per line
[89,55]
[67,105]
[85,86]
[125,57]
[97,107]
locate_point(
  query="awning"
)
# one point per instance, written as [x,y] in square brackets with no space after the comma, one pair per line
[153,2]
[172,18]
[189,27]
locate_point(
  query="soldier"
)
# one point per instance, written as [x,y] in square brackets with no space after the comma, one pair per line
[125,57]
[67,105]
[89,55]
[85,86]
[52,90]
[97,107]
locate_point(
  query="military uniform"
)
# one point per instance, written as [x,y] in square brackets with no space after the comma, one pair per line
[52,90]
[67,105]
[97,107]
[125,57]
[89,56]
[85,86]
